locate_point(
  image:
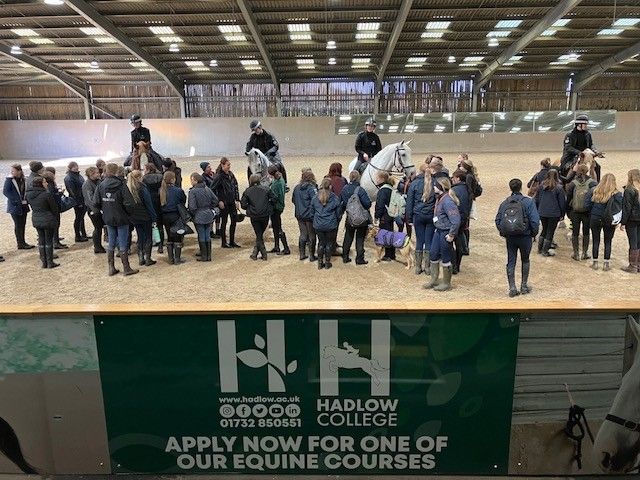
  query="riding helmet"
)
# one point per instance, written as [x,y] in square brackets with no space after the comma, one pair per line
[370,121]
[135,118]
[254,124]
[581,119]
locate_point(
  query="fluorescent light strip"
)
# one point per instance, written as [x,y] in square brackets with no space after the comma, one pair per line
[162,30]
[25,32]
[229,28]
[171,39]
[91,31]
[437,25]
[368,26]
[366,36]
[432,34]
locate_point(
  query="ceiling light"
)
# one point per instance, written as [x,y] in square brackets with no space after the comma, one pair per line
[199,69]
[437,25]
[432,34]
[171,39]
[467,64]
[138,64]
[472,59]
[94,64]
[368,26]
[499,33]
[366,36]
[174,48]
[306,67]
[105,40]
[54,2]
[91,31]
[561,23]
[626,22]
[331,45]
[452,59]
[213,63]
[95,70]
[25,32]
[548,33]
[361,60]
[332,61]
[146,69]
[299,27]
[251,64]
[162,30]
[235,38]
[16,50]
[229,28]
[194,63]
[611,31]
[570,57]
[508,23]
[417,59]
[299,36]
[343,131]
[493,42]
[83,64]
[41,41]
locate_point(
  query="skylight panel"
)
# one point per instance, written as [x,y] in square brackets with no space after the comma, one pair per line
[235,38]
[366,36]
[499,33]
[417,59]
[472,60]
[611,31]
[162,30]
[251,64]
[332,61]
[299,27]
[213,63]
[199,69]
[229,28]
[368,26]
[331,45]
[25,32]
[549,32]
[83,64]
[91,31]
[437,25]
[171,39]
[194,63]
[300,36]
[105,40]
[561,23]
[138,64]
[432,34]
[508,23]
[626,22]
[41,41]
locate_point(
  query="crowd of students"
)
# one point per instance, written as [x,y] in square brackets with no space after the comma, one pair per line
[433,205]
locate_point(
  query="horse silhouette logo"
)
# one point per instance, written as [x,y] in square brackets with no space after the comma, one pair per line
[349,357]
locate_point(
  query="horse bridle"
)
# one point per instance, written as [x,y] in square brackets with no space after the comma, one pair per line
[399,166]
[628,424]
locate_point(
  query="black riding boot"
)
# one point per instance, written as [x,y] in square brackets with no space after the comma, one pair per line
[148,247]
[140,255]
[302,247]
[285,244]
[524,285]
[203,252]
[208,247]
[178,254]
[511,277]
[124,257]
[43,255]
[171,253]
[111,259]
[49,253]
[276,241]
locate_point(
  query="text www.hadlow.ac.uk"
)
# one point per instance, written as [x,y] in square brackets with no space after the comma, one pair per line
[260,399]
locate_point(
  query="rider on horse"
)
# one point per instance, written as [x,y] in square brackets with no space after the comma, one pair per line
[367,145]
[267,144]
[575,142]
[142,134]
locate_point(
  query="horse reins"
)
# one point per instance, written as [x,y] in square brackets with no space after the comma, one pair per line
[396,163]
[629,425]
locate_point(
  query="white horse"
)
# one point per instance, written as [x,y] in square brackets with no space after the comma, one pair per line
[393,159]
[259,164]
[617,445]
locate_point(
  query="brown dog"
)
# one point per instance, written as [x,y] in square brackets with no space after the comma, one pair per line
[406,250]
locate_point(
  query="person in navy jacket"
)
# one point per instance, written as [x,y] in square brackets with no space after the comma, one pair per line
[17,206]
[350,231]
[551,203]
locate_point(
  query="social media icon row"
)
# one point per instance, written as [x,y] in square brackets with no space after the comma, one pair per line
[260,410]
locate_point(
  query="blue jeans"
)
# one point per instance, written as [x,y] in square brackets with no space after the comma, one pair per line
[441,250]
[204,232]
[517,244]
[424,232]
[118,236]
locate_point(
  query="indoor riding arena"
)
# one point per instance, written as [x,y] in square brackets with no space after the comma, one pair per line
[162,313]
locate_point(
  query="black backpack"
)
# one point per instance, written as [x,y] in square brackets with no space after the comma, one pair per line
[514,220]
[613,210]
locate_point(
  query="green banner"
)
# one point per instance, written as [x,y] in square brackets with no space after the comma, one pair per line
[308,394]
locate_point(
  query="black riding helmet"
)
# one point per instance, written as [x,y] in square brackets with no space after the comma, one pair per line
[254,124]
[135,119]
[370,121]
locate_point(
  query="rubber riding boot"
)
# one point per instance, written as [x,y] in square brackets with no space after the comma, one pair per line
[112,263]
[576,248]
[327,258]
[585,248]
[232,237]
[418,261]
[434,269]
[312,252]
[25,246]
[605,266]
[594,265]
[511,277]
[263,251]
[632,267]
[545,249]
[285,245]
[446,280]
[81,239]
[178,253]
[223,240]
[540,245]
[302,247]
[141,260]
[524,285]
[171,253]
[127,270]
[43,255]
[49,253]
[254,255]
[148,248]
[203,252]
[425,262]
[320,262]
[208,249]
[276,247]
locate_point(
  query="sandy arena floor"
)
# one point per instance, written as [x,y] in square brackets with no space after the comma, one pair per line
[232,276]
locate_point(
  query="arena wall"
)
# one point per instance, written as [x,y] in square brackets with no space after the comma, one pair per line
[49,139]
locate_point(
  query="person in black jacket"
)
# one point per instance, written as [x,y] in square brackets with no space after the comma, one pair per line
[575,142]
[113,198]
[368,144]
[258,200]
[225,186]
[359,232]
[577,189]
[551,203]
[382,202]
[142,216]
[462,189]
[36,170]
[50,174]
[73,183]
[15,189]
[267,144]
[172,166]
[88,191]
[45,219]
[142,134]
[153,180]
[203,205]
[631,219]
[303,195]
[172,200]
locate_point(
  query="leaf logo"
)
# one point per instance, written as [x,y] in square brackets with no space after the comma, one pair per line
[256,358]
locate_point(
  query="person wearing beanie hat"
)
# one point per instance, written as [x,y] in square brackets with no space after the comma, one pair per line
[577,141]
[207,173]
[36,171]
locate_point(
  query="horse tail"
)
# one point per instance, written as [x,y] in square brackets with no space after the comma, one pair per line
[10,447]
